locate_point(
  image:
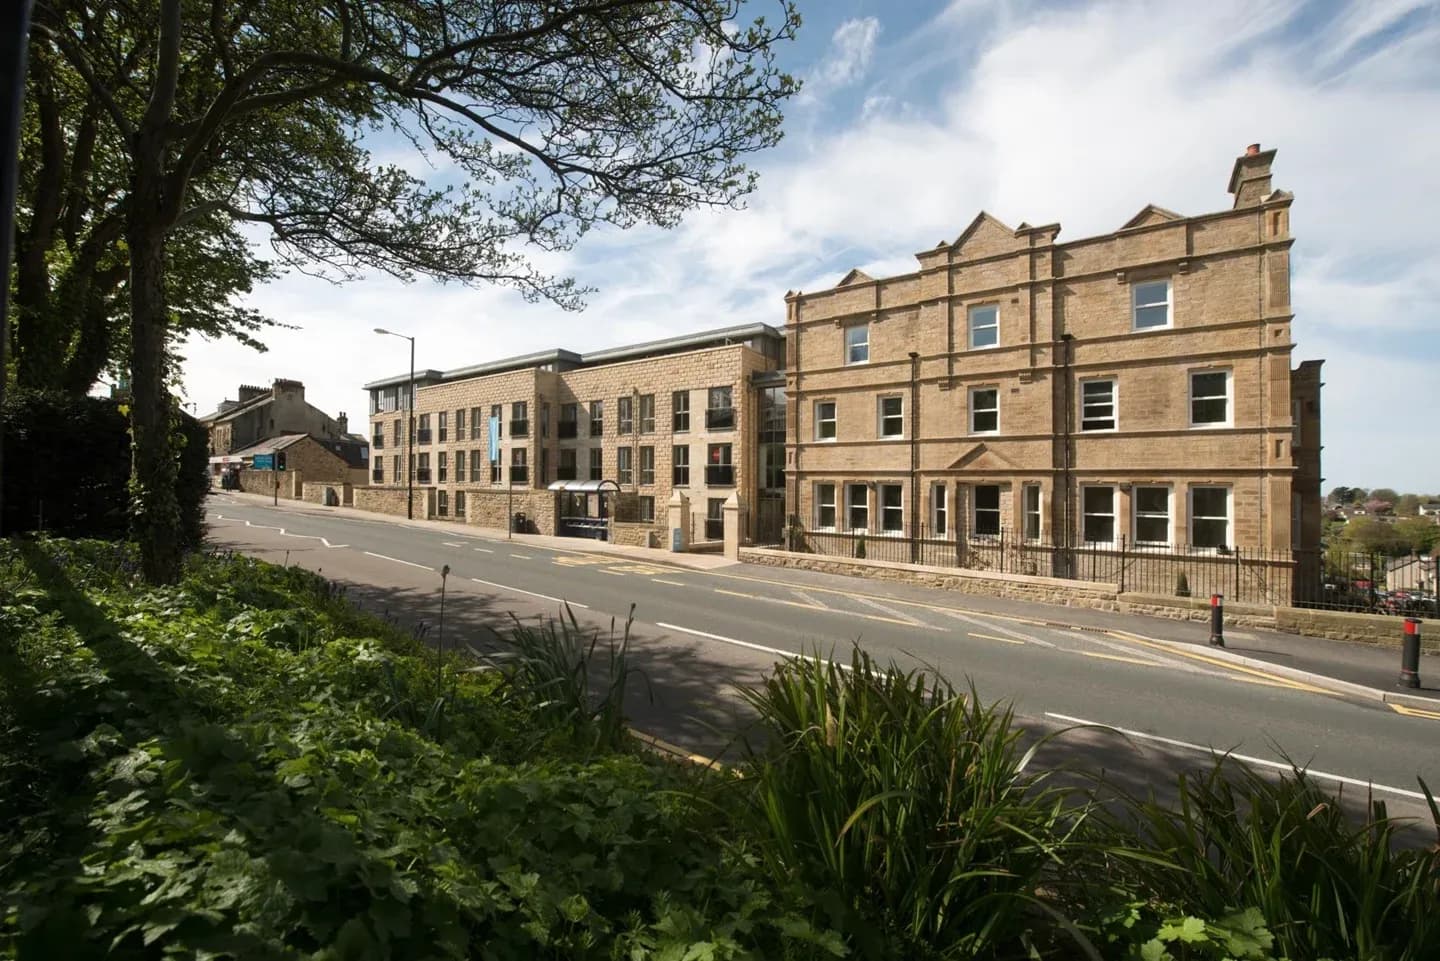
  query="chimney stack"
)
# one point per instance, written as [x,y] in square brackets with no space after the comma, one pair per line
[1252,150]
[1250,178]
[342,424]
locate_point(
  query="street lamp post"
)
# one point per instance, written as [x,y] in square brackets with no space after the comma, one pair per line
[410,426]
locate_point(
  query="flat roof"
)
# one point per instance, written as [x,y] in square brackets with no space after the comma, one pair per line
[609,355]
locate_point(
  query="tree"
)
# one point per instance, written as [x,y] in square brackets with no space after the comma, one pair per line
[1342,495]
[1408,505]
[558,116]
[1417,535]
[1384,494]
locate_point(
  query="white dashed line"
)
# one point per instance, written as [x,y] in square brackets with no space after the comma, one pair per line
[523,557]
[484,550]
[452,543]
[754,647]
[661,580]
[397,560]
[520,590]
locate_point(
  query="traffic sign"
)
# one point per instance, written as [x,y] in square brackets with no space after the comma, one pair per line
[264,462]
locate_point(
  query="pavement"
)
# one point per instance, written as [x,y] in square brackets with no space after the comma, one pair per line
[1344,667]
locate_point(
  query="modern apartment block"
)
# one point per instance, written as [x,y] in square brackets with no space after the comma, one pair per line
[701,414]
[1131,389]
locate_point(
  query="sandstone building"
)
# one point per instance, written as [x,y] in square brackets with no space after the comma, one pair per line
[1129,390]
[701,414]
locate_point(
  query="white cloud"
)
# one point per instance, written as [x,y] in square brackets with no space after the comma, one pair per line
[1076,114]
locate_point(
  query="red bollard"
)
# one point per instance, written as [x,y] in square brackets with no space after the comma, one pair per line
[1410,654]
[1217,620]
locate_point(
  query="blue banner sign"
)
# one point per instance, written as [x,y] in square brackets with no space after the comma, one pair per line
[494,439]
[264,462]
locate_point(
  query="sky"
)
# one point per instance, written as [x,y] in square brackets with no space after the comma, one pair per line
[916,114]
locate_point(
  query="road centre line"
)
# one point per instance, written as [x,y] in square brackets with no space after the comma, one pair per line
[661,580]
[386,557]
[992,637]
[1248,759]
[523,557]
[521,590]
[484,550]
[452,543]
[754,647]
[612,573]
[1118,657]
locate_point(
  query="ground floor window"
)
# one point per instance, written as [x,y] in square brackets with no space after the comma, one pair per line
[987,510]
[857,507]
[1030,507]
[647,508]
[939,511]
[1152,516]
[825,507]
[1210,517]
[460,504]
[1097,514]
[715,519]
[442,503]
[892,508]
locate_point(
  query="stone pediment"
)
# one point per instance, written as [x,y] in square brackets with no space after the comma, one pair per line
[855,276]
[981,457]
[1151,214]
[983,237]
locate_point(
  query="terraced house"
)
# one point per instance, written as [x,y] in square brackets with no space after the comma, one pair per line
[1131,392]
[589,442]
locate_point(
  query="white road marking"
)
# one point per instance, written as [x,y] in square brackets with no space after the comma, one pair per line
[1263,762]
[991,625]
[283,532]
[523,557]
[754,647]
[519,590]
[385,557]
[898,615]
[452,543]
[1119,657]
[992,637]
[661,580]
[484,550]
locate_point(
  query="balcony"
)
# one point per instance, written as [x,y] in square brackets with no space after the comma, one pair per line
[378,442]
[719,475]
[568,429]
[422,475]
[443,472]
[720,418]
[520,428]
[422,436]
[377,477]
[565,473]
[519,475]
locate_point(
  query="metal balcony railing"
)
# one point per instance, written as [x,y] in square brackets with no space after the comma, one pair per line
[422,475]
[519,475]
[720,418]
[565,473]
[568,429]
[377,477]
[720,475]
[422,435]
[378,441]
[520,428]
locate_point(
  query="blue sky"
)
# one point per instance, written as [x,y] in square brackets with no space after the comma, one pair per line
[919,113]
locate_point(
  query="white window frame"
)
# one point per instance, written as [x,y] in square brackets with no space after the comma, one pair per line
[1084,513]
[820,420]
[864,490]
[1135,305]
[862,344]
[885,510]
[821,504]
[971,327]
[940,510]
[881,417]
[1191,398]
[973,411]
[1136,514]
[1114,406]
[998,510]
[1190,518]
[1026,513]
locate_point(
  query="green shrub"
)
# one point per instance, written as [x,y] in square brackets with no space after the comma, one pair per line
[902,807]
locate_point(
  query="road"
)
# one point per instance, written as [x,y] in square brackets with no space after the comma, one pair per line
[700,634]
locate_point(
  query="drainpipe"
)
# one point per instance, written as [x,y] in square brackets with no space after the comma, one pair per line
[914,457]
[1068,458]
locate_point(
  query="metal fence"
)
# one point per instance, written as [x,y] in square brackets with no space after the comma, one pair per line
[1338,580]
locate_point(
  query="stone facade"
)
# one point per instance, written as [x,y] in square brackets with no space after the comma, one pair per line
[695,394]
[1130,386]
[261,413]
[390,500]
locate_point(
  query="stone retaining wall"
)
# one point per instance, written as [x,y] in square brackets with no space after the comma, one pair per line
[485,507]
[391,500]
[315,493]
[639,534]
[1375,629]
[292,483]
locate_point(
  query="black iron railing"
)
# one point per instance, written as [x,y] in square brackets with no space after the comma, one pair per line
[720,418]
[564,473]
[520,428]
[519,475]
[719,475]
[377,477]
[422,435]
[567,429]
[377,441]
[422,475]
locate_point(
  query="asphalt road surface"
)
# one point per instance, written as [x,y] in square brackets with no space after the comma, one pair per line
[698,635]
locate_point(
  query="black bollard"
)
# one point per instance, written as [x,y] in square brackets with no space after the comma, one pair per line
[1410,654]
[1217,620]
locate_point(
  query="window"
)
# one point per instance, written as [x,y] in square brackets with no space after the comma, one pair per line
[1097,509]
[680,466]
[569,426]
[519,465]
[647,465]
[1097,405]
[1152,515]
[1030,508]
[680,411]
[423,428]
[719,470]
[496,472]
[567,467]
[892,417]
[442,466]
[476,465]
[597,418]
[544,420]
[857,344]
[459,424]
[1210,517]
[520,419]
[892,508]
[459,467]
[984,326]
[625,465]
[422,474]
[825,507]
[719,412]
[442,503]
[495,414]
[1151,304]
[647,509]
[715,519]
[544,476]
[1209,398]
[477,424]
[825,420]
[647,413]
[442,425]
[625,415]
[857,507]
[939,510]
[395,469]
[377,475]
[460,502]
[395,432]
[987,510]
[984,410]
[597,464]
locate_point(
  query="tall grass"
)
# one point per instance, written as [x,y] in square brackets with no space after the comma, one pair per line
[903,807]
[1327,886]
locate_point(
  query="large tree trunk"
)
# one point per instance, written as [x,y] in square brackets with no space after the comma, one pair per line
[155,510]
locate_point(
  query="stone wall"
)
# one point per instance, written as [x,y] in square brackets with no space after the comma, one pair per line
[315,493]
[1374,629]
[640,534]
[494,508]
[387,500]
[292,483]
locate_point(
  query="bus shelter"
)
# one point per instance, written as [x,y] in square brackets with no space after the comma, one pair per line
[584,508]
